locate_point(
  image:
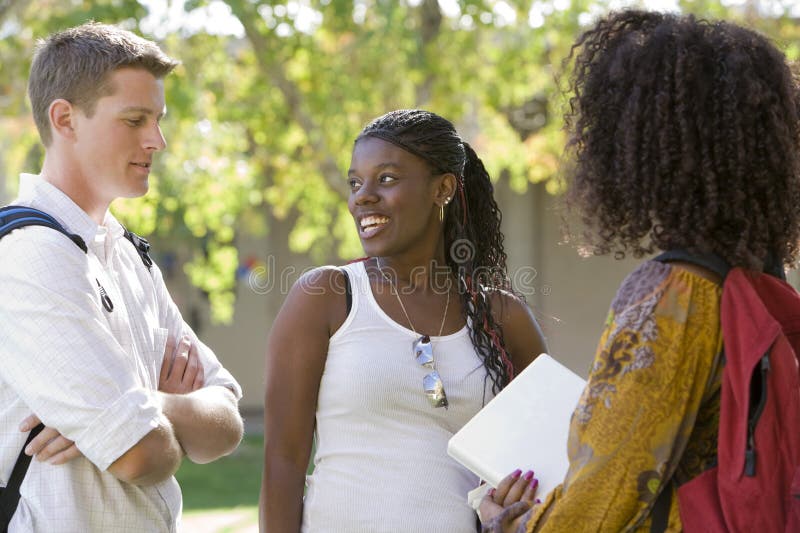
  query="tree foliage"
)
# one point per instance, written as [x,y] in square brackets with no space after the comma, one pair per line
[261,121]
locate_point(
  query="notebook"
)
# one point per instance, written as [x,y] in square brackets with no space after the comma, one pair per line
[525,426]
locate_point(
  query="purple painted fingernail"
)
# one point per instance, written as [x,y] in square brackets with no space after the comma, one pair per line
[528,475]
[534,483]
[516,473]
[537,500]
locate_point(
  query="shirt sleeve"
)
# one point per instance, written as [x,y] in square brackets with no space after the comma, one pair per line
[58,354]
[654,361]
[170,316]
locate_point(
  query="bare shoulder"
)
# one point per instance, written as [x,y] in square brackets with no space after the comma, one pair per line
[521,332]
[322,282]
[300,332]
[507,305]
[319,295]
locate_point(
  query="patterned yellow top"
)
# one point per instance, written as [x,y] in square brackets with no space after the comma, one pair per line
[650,409]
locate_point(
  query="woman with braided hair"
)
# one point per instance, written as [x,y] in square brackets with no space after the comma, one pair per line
[686,136]
[383,360]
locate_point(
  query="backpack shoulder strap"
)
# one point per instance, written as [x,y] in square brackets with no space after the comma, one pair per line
[774,267]
[9,495]
[14,217]
[712,262]
[718,265]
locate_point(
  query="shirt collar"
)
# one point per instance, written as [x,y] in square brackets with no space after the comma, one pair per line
[38,193]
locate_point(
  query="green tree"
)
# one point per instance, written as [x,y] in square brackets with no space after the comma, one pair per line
[261,123]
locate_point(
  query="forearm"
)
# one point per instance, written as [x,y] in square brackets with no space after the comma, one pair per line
[281,505]
[206,422]
[153,459]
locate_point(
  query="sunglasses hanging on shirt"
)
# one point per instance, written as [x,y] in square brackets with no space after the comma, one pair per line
[423,350]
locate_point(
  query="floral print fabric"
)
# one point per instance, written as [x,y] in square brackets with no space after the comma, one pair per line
[650,410]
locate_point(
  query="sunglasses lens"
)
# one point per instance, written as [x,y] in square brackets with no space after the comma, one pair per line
[423,352]
[434,389]
[432,383]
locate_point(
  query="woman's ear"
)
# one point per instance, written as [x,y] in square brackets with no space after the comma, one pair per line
[446,189]
[62,118]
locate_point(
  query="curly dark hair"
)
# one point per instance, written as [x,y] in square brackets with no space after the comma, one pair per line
[471,226]
[685,135]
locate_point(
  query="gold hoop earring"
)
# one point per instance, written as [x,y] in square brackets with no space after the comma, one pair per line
[441,209]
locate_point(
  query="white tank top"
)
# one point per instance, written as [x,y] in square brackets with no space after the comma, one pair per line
[381,462]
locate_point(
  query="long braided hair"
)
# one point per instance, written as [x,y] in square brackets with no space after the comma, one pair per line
[471,226]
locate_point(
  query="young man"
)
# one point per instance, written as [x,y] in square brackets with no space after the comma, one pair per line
[83,334]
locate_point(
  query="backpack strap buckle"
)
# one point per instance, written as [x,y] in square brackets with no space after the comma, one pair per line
[142,246]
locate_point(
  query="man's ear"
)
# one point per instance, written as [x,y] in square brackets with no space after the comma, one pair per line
[446,188]
[62,118]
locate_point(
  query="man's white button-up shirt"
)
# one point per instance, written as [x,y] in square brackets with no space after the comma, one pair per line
[88,372]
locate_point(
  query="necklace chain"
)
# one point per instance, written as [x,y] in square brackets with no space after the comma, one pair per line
[403,307]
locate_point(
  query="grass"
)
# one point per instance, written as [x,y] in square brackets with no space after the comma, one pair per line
[222,497]
[232,481]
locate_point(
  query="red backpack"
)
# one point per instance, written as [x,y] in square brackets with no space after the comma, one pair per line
[755,485]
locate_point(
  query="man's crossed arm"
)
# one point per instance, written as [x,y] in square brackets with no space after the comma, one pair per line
[202,423]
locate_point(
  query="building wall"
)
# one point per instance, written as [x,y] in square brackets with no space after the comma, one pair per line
[570,295]
[242,344]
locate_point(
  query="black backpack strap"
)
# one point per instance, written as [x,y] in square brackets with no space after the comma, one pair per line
[14,217]
[718,265]
[659,517]
[142,247]
[774,267]
[712,262]
[9,497]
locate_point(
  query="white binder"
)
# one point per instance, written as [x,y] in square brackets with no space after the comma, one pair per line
[525,426]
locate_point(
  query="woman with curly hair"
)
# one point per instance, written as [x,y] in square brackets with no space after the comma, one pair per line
[382,360]
[685,135]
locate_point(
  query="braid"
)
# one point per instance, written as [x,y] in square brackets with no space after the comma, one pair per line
[477,254]
[471,227]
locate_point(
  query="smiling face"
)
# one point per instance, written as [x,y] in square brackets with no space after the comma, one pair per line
[113,148]
[393,196]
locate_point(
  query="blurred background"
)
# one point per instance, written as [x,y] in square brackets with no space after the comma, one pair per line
[262,114]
